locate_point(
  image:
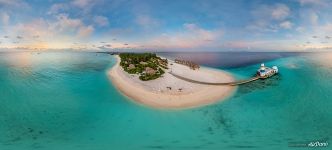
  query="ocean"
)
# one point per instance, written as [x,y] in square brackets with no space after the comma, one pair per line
[64,100]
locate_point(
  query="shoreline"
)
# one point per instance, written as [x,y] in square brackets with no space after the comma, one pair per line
[154,94]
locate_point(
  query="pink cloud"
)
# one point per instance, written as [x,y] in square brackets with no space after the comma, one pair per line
[65,24]
[4,17]
[85,31]
[192,36]
[147,22]
[101,21]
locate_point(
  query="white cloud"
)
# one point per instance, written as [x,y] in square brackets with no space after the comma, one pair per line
[60,32]
[191,36]
[271,12]
[4,17]
[85,31]
[13,3]
[300,29]
[313,2]
[58,8]
[147,22]
[82,3]
[313,18]
[327,28]
[286,25]
[280,12]
[38,27]
[66,24]
[190,26]
[85,6]
[204,34]
[269,18]
[101,21]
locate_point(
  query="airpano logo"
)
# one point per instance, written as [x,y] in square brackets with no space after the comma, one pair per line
[318,144]
[309,144]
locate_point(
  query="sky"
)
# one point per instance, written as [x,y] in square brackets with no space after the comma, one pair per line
[167,25]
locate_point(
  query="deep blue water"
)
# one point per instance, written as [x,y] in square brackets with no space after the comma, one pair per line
[64,100]
[229,59]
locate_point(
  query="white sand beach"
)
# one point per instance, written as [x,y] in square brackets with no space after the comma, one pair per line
[171,92]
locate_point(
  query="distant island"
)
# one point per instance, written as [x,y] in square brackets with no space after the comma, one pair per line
[149,80]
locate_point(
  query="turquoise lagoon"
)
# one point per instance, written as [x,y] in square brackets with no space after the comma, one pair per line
[64,100]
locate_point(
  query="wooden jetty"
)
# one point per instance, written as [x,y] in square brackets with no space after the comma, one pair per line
[210,83]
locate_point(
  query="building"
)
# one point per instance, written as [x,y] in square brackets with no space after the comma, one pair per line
[143,63]
[150,71]
[190,64]
[131,66]
[265,72]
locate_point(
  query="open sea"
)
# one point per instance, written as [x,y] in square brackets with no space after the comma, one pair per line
[65,101]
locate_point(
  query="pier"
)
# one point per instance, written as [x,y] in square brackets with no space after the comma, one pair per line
[262,73]
[210,83]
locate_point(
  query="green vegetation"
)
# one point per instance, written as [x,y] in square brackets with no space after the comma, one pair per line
[147,65]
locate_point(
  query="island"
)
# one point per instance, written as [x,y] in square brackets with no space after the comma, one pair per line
[148,79]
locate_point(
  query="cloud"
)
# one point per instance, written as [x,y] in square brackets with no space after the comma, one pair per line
[105,47]
[300,29]
[82,3]
[101,21]
[313,2]
[35,27]
[57,33]
[58,8]
[204,34]
[85,6]
[13,3]
[271,12]
[19,37]
[4,17]
[190,36]
[325,29]
[72,25]
[313,18]
[65,24]
[280,12]
[286,25]
[147,21]
[269,18]
[85,31]
[190,26]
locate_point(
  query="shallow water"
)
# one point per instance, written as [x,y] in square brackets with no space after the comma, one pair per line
[65,101]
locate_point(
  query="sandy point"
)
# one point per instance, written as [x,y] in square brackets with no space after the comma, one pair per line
[171,92]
